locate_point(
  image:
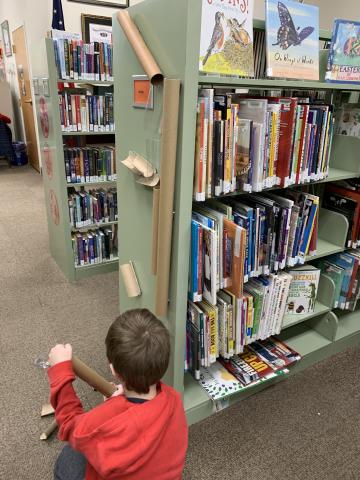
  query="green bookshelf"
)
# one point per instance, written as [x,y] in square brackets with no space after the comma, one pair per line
[54,177]
[175,46]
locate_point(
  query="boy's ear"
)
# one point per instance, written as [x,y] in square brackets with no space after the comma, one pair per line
[114,374]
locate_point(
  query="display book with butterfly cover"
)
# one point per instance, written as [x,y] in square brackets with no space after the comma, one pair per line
[226,41]
[344,56]
[292,40]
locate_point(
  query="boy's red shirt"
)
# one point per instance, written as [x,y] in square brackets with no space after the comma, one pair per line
[122,440]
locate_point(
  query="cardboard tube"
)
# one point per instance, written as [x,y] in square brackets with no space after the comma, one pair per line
[130,280]
[141,50]
[155,229]
[92,378]
[49,431]
[89,376]
[171,97]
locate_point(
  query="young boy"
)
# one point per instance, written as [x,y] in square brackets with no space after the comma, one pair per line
[140,433]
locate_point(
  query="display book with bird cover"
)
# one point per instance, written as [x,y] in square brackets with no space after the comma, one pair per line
[292,40]
[226,43]
[344,55]
[303,289]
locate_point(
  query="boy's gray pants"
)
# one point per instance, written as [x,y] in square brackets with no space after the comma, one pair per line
[70,465]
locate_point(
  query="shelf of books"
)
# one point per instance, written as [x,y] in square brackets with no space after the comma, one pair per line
[264,267]
[75,109]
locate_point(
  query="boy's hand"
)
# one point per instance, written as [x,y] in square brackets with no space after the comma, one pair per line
[60,353]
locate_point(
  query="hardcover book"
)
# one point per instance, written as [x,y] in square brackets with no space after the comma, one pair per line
[303,290]
[292,40]
[226,42]
[344,56]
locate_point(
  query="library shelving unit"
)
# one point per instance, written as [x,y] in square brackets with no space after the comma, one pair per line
[51,139]
[175,46]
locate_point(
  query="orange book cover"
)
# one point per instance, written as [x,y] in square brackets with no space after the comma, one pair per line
[234,249]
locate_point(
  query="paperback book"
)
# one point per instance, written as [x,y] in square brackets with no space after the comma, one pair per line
[254,366]
[226,41]
[303,290]
[344,55]
[292,40]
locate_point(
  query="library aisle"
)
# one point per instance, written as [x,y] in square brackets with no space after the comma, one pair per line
[309,427]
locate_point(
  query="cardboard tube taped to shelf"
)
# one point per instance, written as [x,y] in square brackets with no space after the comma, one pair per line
[166,197]
[130,280]
[140,48]
[89,376]
[155,229]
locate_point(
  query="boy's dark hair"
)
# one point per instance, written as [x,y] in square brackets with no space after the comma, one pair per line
[138,346]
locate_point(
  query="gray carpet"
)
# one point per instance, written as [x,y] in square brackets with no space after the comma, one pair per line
[306,428]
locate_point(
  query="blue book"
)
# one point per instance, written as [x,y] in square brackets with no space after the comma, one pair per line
[345,261]
[194,259]
[309,226]
[243,221]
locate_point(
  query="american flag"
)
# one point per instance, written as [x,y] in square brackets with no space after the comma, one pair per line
[58,16]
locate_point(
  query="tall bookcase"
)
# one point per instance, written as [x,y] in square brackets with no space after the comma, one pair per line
[175,45]
[51,139]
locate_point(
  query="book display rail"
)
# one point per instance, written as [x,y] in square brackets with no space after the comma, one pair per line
[175,45]
[76,133]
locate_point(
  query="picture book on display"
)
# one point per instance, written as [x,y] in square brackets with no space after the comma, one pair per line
[344,56]
[303,290]
[348,122]
[226,42]
[292,40]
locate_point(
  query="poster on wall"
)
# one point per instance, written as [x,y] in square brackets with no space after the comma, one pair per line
[105,3]
[6,38]
[96,29]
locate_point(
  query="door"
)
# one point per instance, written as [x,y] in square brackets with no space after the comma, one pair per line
[26,104]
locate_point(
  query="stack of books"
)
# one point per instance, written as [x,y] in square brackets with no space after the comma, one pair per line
[226,328]
[92,207]
[343,269]
[94,246]
[90,164]
[247,236]
[255,143]
[76,60]
[86,113]
[260,362]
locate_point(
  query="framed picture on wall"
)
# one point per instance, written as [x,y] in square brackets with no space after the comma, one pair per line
[96,29]
[105,3]
[6,38]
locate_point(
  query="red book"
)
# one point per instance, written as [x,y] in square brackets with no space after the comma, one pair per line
[287,125]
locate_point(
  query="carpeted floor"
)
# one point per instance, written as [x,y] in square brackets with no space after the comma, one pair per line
[306,428]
